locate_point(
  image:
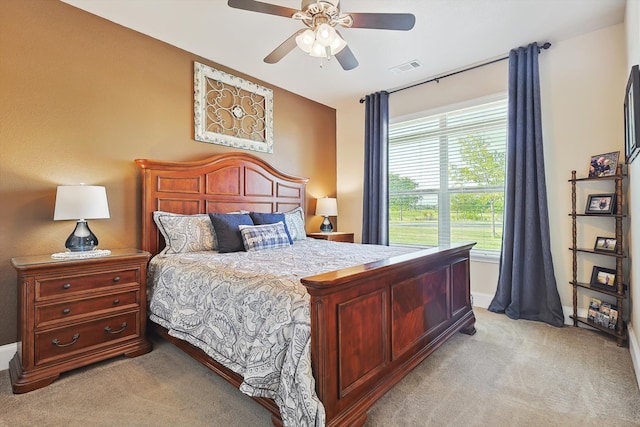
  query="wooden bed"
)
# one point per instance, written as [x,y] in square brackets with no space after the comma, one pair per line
[371,324]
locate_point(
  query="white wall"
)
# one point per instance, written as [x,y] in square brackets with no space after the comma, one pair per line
[632,24]
[582,82]
[582,95]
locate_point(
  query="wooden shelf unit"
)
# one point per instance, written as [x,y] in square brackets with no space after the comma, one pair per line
[619,292]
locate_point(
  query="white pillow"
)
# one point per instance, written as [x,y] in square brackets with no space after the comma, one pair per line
[295,223]
[185,233]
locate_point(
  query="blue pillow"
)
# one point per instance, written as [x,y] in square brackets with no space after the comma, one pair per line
[227,230]
[260,218]
[266,236]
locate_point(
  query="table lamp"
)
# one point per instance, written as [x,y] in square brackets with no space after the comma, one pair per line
[326,207]
[80,203]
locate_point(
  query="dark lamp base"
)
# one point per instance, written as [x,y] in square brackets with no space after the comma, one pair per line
[326,226]
[82,239]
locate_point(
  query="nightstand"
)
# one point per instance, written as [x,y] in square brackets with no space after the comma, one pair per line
[72,313]
[334,236]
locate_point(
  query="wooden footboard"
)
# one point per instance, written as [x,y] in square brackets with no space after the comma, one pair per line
[372,324]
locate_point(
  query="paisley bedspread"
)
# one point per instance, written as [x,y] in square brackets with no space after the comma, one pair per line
[249,312]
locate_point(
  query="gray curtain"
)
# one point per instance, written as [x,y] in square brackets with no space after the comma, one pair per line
[375,221]
[526,284]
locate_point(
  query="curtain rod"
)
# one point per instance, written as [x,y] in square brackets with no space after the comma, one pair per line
[546,45]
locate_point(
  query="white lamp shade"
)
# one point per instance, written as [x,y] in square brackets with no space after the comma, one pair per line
[318,51]
[337,45]
[81,202]
[325,34]
[305,40]
[327,206]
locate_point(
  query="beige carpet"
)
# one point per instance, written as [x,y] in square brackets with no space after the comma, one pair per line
[511,373]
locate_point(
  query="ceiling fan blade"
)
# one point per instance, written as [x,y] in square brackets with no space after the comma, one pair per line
[258,6]
[384,21]
[347,59]
[281,51]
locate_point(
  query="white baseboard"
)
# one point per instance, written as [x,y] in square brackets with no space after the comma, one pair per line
[6,354]
[634,349]
[481,300]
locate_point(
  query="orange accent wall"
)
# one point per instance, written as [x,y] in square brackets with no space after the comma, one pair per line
[81,98]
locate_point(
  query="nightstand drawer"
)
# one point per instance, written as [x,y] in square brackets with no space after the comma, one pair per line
[72,340]
[72,284]
[72,309]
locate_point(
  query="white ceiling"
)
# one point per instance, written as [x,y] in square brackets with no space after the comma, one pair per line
[448,35]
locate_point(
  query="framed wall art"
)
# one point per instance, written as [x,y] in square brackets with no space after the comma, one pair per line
[632,116]
[232,111]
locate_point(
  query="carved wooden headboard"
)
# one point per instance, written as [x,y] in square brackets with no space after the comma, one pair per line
[222,183]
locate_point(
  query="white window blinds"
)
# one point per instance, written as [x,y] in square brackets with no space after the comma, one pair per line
[446,177]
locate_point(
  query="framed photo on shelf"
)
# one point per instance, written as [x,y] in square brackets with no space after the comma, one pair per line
[606,244]
[603,278]
[603,313]
[601,204]
[632,116]
[603,164]
[594,308]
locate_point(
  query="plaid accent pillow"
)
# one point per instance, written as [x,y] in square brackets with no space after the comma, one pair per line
[260,218]
[267,236]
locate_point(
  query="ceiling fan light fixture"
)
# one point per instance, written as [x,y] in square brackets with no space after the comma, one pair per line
[325,34]
[337,44]
[318,51]
[305,40]
[316,6]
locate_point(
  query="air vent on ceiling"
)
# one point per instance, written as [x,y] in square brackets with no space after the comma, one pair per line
[403,68]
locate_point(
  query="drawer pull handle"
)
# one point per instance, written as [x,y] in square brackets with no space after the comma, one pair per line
[116,301]
[116,279]
[66,286]
[66,311]
[56,341]
[108,329]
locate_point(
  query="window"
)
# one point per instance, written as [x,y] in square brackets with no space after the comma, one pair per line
[446,177]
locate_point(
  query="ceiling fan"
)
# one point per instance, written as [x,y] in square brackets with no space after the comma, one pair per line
[321,39]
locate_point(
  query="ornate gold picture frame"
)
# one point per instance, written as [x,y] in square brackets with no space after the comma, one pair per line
[232,111]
